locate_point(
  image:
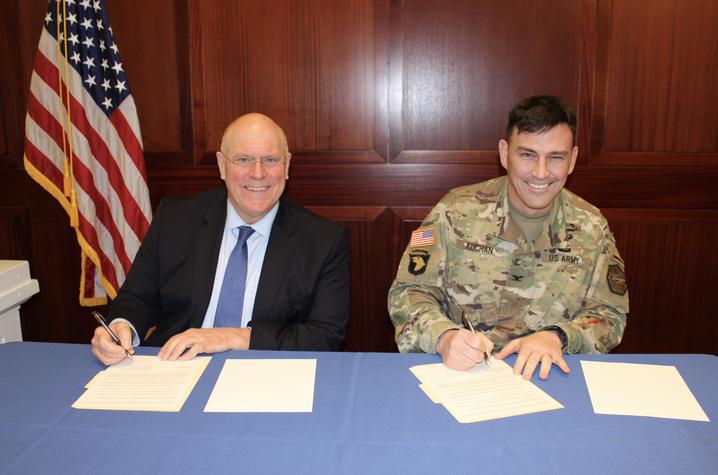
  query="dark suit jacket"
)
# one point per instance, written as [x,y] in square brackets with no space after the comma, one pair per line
[302,298]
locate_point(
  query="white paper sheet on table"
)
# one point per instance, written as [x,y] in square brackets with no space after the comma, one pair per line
[264,385]
[482,393]
[143,384]
[631,389]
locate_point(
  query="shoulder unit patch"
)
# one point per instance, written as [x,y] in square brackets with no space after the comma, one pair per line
[616,278]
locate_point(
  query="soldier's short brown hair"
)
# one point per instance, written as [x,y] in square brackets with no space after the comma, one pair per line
[539,114]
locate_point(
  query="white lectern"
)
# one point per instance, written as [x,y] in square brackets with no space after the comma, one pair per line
[16,287]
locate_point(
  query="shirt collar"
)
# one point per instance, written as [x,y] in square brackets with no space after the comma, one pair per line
[261,227]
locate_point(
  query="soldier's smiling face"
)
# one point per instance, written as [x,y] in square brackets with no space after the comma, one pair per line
[538,164]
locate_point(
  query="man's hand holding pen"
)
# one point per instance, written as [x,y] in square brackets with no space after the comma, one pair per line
[104,347]
[462,349]
[470,326]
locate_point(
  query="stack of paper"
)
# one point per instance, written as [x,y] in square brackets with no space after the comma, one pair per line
[483,392]
[144,384]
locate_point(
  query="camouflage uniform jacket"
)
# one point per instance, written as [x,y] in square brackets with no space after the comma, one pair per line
[470,256]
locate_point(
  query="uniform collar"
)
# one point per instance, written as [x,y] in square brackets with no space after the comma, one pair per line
[553,235]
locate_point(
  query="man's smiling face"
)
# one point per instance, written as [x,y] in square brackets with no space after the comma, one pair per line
[253,191]
[538,164]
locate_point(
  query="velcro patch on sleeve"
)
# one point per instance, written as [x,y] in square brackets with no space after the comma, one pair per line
[423,237]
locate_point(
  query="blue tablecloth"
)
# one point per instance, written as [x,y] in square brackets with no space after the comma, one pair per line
[369,417]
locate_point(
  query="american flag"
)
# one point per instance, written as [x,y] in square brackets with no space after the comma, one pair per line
[83,142]
[422,237]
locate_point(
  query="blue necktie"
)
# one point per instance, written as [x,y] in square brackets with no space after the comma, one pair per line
[231,297]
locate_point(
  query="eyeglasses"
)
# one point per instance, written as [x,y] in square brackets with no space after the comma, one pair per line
[245,161]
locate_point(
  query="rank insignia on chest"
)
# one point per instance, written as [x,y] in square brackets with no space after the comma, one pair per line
[616,279]
[418,261]
[423,237]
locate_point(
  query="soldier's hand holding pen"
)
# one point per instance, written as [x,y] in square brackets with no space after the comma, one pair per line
[461,349]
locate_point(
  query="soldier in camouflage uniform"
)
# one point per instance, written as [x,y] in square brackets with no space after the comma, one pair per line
[562,289]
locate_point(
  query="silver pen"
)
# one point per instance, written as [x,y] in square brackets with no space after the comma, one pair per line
[467,322]
[101,320]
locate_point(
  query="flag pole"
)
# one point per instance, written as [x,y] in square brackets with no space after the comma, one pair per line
[68,178]
[58,31]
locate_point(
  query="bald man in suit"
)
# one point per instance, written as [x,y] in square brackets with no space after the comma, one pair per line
[294,277]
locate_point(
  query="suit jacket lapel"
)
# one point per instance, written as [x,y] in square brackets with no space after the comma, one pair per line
[208,240]
[276,261]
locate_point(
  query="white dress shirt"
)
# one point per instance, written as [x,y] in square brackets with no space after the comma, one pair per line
[256,248]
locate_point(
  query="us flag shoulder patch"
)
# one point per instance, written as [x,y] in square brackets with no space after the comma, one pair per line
[422,237]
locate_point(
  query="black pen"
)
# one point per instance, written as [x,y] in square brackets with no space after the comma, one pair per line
[468,323]
[101,320]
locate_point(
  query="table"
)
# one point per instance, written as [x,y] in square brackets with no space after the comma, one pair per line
[369,417]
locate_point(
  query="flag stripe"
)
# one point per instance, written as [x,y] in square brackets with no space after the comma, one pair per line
[49,159]
[129,110]
[129,139]
[43,164]
[48,124]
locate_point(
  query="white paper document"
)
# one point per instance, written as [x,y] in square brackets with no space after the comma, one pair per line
[482,393]
[144,384]
[630,389]
[264,385]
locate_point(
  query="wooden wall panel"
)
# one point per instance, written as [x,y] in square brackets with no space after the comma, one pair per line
[662,77]
[55,313]
[28,29]
[4,153]
[153,46]
[12,229]
[8,90]
[670,261]
[646,187]
[310,65]
[465,66]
